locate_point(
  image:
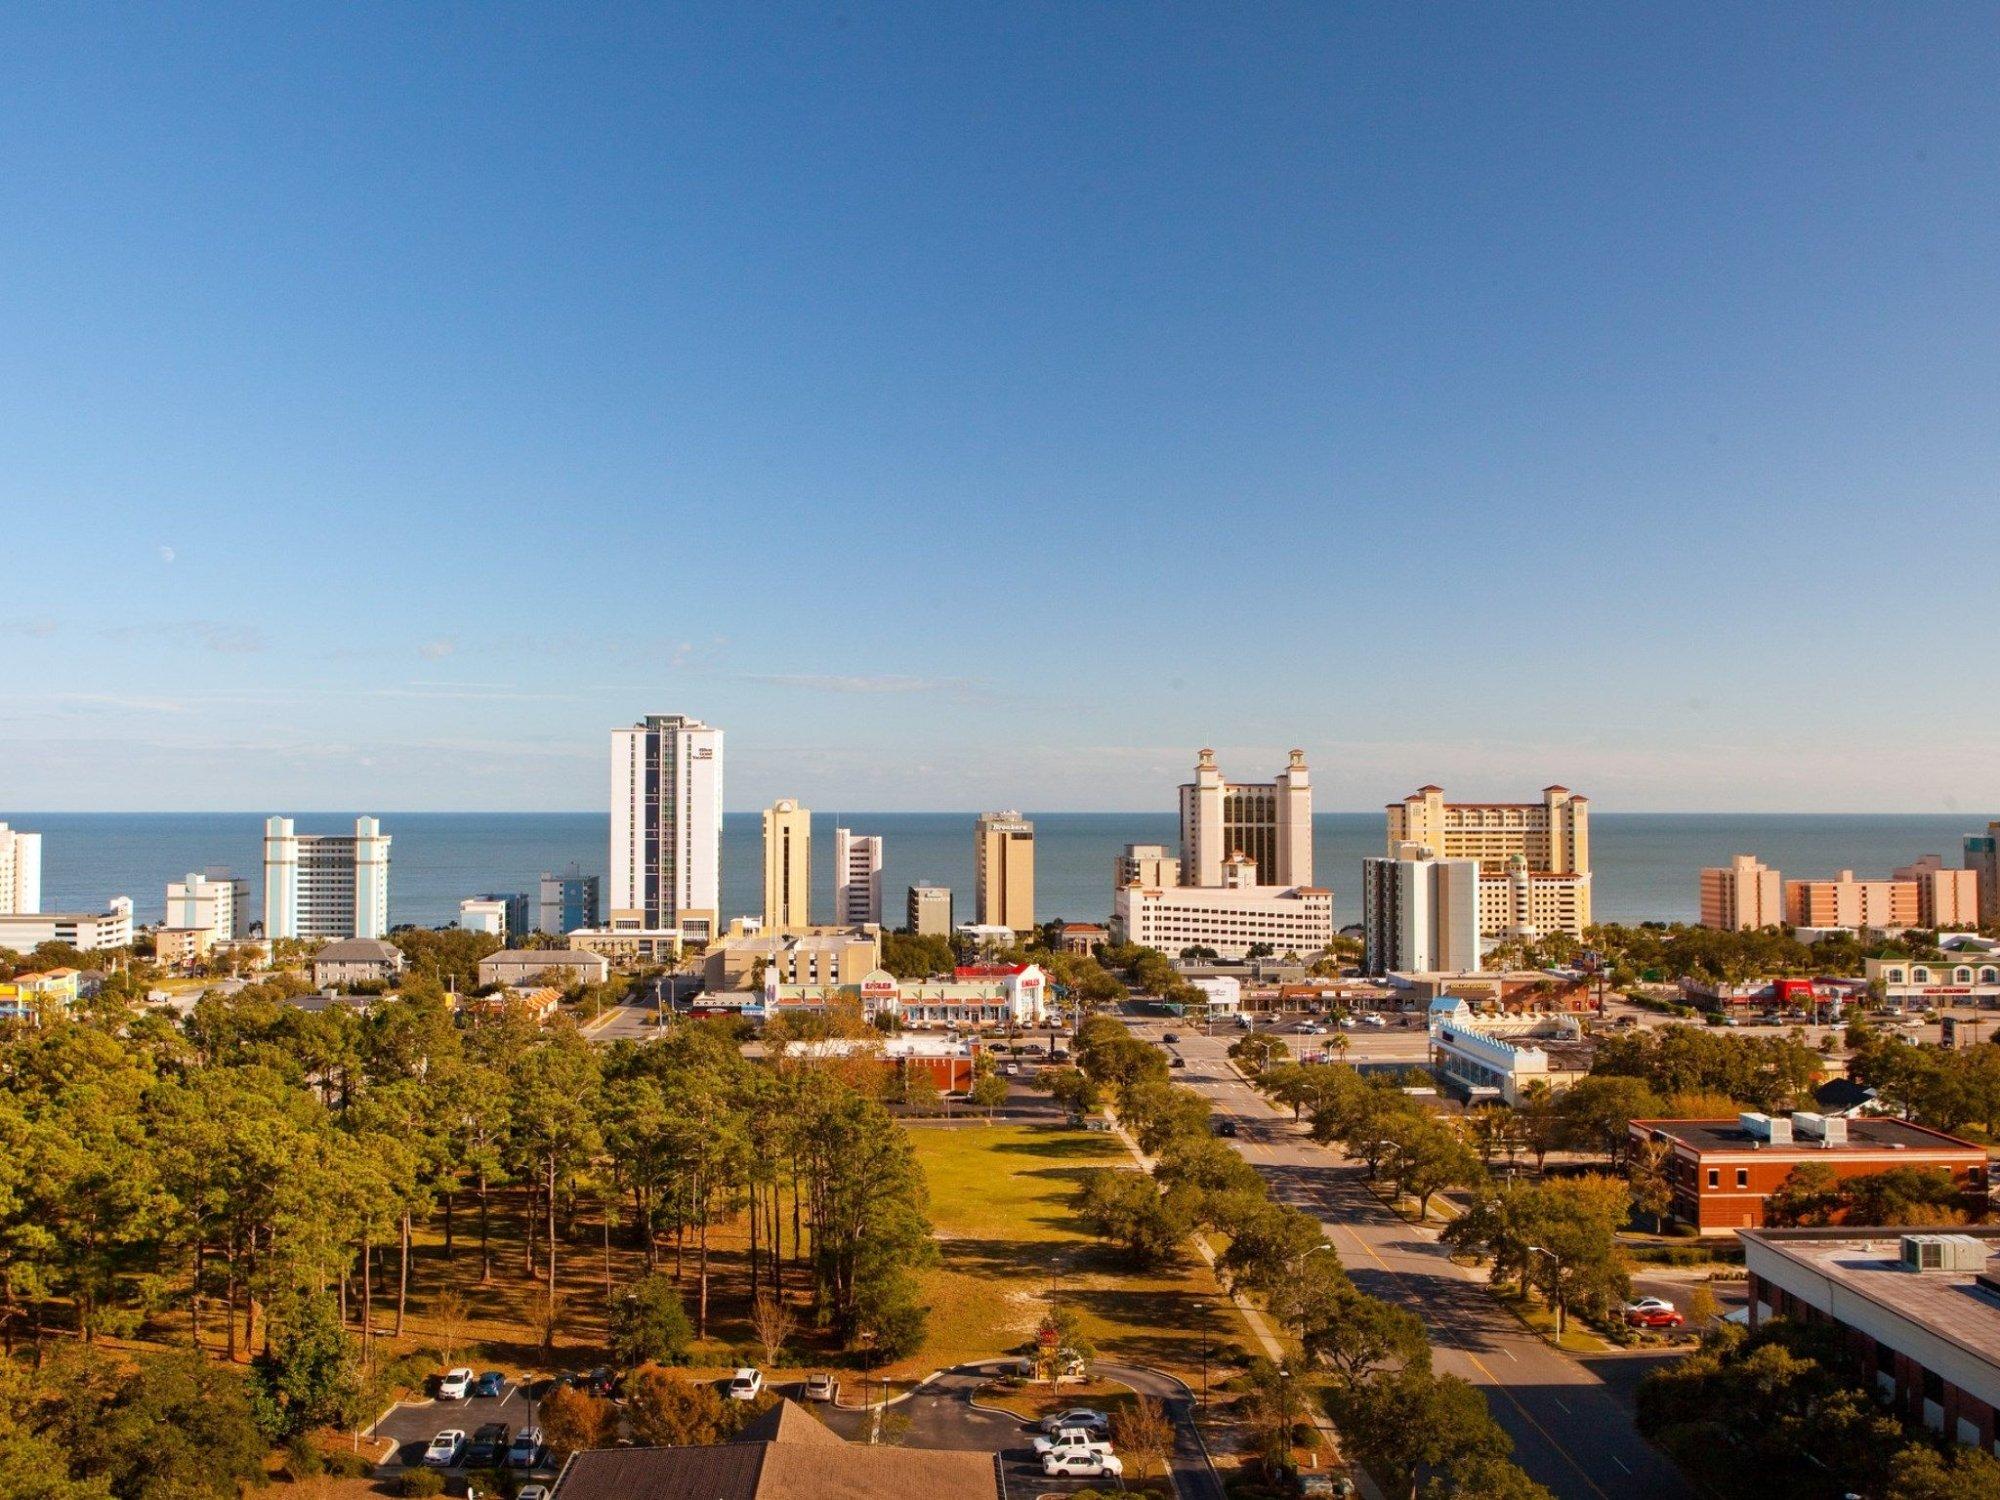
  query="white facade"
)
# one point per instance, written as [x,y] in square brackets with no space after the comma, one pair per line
[1420,913]
[112,928]
[857,879]
[217,902]
[1270,822]
[666,824]
[326,885]
[20,872]
[1291,919]
[1499,1057]
[486,914]
[1224,991]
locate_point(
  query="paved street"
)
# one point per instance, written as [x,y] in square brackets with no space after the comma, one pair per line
[1571,1420]
[411,1425]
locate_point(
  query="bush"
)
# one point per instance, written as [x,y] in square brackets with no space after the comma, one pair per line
[303,1460]
[421,1482]
[349,1466]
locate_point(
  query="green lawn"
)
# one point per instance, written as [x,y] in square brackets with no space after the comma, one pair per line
[1000,1201]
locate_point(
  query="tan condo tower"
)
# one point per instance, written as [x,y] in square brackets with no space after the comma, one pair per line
[1004,858]
[787,866]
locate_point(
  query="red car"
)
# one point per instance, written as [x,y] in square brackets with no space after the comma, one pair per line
[1653,1312]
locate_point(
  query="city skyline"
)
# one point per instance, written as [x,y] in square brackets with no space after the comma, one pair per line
[1610,335]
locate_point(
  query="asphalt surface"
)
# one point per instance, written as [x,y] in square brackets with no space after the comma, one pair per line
[1570,1419]
[410,1425]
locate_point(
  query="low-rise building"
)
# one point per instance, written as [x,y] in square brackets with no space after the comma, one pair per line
[1083,938]
[1224,993]
[182,947]
[1509,991]
[31,997]
[951,1062]
[1964,976]
[808,956]
[85,931]
[1500,1057]
[356,961]
[495,914]
[1229,919]
[1918,1310]
[976,995]
[1724,1171]
[626,941]
[537,1002]
[535,966]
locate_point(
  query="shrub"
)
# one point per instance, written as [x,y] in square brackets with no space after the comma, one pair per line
[422,1482]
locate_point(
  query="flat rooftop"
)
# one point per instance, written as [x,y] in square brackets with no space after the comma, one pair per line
[1867,1263]
[1866,1133]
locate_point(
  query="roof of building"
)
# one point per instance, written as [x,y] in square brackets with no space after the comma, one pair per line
[1842,1093]
[783,1454]
[581,958]
[359,951]
[1868,1133]
[1867,1263]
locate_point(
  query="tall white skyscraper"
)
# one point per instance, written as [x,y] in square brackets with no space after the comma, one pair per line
[1269,821]
[326,885]
[20,872]
[666,825]
[1419,913]
[216,902]
[857,878]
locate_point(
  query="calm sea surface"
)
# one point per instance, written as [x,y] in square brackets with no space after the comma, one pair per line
[1645,863]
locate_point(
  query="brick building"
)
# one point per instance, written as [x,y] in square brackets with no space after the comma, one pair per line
[1919,1311]
[1723,1171]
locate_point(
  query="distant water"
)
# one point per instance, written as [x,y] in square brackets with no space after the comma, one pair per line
[1645,863]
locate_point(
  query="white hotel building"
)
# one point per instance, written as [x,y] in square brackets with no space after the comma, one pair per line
[1229,918]
[216,903]
[326,885]
[857,879]
[1420,913]
[20,872]
[666,826]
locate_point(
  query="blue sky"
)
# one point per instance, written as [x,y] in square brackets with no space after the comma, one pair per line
[976,405]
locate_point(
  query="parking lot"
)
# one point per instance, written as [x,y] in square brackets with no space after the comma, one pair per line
[411,1425]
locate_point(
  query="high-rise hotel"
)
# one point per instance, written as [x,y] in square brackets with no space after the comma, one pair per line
[323,885]
[1268,822]
[666,825]
[1534,857]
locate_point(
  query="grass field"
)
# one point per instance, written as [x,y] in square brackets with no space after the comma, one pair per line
[1000,1201]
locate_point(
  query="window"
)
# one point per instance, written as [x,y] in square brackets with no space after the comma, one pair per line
[1743,1177]
[1715,1177]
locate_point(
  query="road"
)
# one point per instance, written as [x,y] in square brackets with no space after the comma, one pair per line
[1571,1420]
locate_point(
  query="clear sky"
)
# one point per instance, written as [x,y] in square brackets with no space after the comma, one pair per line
[988,404]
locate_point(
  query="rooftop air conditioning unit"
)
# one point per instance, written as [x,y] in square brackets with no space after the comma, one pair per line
[1764,1127]
[1942,1252]
[1828,1130]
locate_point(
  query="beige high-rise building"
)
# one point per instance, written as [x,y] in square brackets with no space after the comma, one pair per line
[1269,821]
[787,866]
[928,909]
[1888,905]
[1147,864]
[1742,896]
[1534,857]
[1004,861]
[1945,898]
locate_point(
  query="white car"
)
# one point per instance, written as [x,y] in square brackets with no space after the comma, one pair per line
[1371,1019]
[746,1384]
[532,1492]
[1650,1305]
[526,1450]
[445,1448]
[1072,1440]
[1088,1464]
[455,1384]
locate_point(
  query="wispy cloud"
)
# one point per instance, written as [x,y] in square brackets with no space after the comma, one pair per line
[868,683]
[439,649]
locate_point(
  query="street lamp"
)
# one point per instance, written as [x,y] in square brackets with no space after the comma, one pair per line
[1285,1406]
[1557,1289]
[1202,1309]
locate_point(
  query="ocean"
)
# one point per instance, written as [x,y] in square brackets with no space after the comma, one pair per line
[1645,863]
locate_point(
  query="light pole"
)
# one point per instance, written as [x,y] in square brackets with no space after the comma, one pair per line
[1202,1309]
[1556,1288]
[1285,1407]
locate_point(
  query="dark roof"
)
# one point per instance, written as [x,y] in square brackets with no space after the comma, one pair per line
[1842,1093]
[1866,1133]
[785,1453]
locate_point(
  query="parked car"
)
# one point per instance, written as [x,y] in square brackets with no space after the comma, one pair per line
[1071,1439]
[491,1383]
[1087,1417]
[1084,1463]
[1653,1312]
[746,1384]
[1171,1036]
[1177,1061]
[1372,1019]
[455,1384]
[1244,1021]
[1225,1127]
[599,1382]
[488,1446]
[1009,1070]
[445,1449]
[533,1492]
[821,1387]
[526,1450]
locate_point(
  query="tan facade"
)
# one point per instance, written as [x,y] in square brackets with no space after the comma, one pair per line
[820,955]
[1945,898]
[1534,857]
[787,866]
[928,909]
[1004,860]
[1890,905]
[1742,896]
[1147,864]
[1269,822]
[175,947]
